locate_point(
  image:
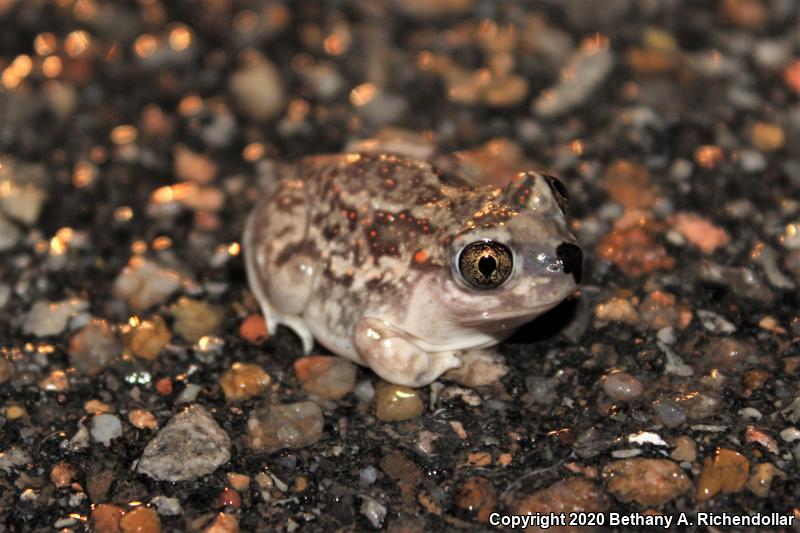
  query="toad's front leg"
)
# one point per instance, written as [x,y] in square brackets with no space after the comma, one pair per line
[392,354]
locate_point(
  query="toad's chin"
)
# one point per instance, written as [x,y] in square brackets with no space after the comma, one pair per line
[498,321]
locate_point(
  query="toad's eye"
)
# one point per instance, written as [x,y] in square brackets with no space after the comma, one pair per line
[559,192]
[485,264]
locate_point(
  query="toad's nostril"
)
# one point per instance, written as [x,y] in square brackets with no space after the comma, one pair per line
[571,258]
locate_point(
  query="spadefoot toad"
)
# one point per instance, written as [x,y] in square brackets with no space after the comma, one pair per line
[402,267]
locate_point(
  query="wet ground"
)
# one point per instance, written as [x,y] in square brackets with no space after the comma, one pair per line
[134,139]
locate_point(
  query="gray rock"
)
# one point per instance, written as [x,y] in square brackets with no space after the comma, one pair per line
[191,445]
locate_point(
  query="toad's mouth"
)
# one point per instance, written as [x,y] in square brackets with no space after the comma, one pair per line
[507,321]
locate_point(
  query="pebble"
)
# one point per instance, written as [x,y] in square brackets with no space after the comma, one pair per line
[329,378]
[541,389]
[685,449]
[14,412]
[761,479]
[244,381]
[239,482]
[753,434]
[589,66]
[105,428]
[13,457]
[622,386]
[94,347]
[395,403]
[700,232]
[223,523]
[477,497]
[374,510]
[106,518]
[293,425]
[195,319]
[634,252]
[628,184]
[670,413]
[61,475]
[364,391]
[55,381]
[9,234]
[167,506]
[80,441]
[367,476]
[790,239]
[150,337]
[51,318]
[617,310]
[229,497]
[143,284]
[767,136]
[254,329]
[191,166]
[714,322]
[725,472]
[191,445]
[143,419]
[647,482]
[574,494]
[140,520]
[21,202]
[728,352]
[94,406]
[660,310]
[790,434]
[257,87]
[768,258]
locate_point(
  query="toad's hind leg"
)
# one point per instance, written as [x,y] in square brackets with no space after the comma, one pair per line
[278,260]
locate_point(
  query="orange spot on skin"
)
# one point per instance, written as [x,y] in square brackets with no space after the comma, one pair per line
[421,256]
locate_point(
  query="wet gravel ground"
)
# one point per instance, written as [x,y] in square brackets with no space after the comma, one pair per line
[134,139]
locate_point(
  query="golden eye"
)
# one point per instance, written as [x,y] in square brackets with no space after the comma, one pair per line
[485,264]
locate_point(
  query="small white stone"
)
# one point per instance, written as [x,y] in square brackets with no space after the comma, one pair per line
[144,283]
[105,428]
[790,434]
[373,510]
[646,437]
[167,506]
[21,202]
[750,413]
[364,391]
[80,441]
[626,453]
[51,318]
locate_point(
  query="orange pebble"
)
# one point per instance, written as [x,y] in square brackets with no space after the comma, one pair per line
[140,520]
[106,517]
[164,386]
[254,329]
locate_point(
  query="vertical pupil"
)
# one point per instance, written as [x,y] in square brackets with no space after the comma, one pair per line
[487,265]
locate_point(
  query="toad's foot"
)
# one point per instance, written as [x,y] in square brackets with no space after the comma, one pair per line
[482,366]
[392,354]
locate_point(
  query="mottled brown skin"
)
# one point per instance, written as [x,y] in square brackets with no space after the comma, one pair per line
[357,250]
